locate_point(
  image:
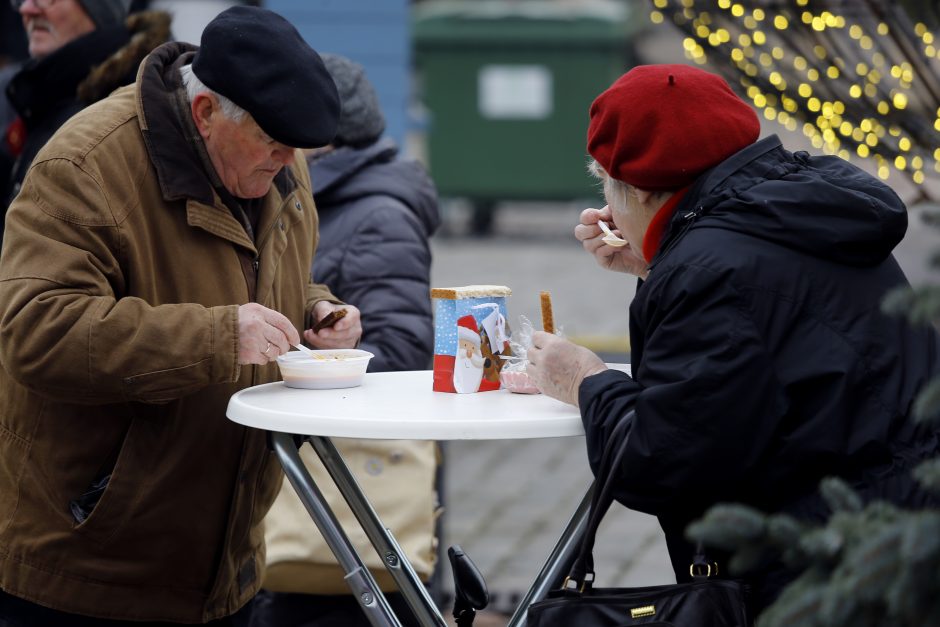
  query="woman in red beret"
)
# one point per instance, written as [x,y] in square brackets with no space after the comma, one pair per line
[762,361]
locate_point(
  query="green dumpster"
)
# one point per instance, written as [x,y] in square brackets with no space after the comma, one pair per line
[508,86]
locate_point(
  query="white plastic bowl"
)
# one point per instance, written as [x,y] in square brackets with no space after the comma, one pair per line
[329,369]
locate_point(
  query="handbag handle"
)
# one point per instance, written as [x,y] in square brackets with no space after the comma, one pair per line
[581,573]
[601,499]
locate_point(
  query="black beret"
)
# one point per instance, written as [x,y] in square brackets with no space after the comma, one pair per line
[258,60]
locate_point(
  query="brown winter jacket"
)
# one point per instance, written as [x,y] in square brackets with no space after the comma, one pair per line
[120,280]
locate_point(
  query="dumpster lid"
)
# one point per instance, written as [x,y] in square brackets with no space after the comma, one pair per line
[608,10]
[588,22]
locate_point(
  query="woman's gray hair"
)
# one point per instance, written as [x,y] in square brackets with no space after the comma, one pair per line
[611,185]
[194,87]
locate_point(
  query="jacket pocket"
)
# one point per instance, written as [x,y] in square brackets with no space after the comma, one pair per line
[111,498]
[164,386]
[82,507]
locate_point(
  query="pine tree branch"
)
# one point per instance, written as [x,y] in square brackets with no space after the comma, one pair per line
[928,474]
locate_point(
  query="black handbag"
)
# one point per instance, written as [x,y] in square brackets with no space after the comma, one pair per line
[705,602]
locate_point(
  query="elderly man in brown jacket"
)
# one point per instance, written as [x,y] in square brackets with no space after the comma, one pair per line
[156,261]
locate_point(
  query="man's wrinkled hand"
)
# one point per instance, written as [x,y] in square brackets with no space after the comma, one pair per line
[623,259]
[558,366]
[344,334]
[263,334]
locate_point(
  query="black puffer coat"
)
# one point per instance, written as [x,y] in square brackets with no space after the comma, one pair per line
[48,91]
[761,359]
[376,215]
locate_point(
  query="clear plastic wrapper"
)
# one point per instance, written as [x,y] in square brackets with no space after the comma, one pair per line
[513,376]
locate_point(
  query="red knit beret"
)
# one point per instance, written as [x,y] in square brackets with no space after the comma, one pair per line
[659,126]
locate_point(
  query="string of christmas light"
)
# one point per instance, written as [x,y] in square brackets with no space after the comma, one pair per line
[858,77]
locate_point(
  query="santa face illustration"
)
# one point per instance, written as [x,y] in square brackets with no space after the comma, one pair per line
[468,365]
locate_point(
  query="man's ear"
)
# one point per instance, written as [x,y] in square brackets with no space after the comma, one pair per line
[204,108]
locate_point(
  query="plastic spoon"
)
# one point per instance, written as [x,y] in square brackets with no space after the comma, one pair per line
[306,351]
[610,238]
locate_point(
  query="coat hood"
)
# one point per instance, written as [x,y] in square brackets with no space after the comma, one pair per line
[823,206]
[345,174]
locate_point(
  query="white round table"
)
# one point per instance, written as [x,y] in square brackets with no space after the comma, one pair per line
[402,405]
[399,405]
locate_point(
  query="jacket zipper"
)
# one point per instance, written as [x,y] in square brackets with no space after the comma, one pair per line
[256,266]
[256,262]
[264,236]
[688,219]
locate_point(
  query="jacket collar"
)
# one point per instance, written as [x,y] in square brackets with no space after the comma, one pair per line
[706,192]
[654,232]
[717,175]
[336,166]
[171,148]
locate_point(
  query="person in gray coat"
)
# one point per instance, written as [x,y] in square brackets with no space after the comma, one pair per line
[376,215]
[376,212]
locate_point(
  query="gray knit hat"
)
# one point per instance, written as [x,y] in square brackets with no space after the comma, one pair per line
[106,12]
[361,121]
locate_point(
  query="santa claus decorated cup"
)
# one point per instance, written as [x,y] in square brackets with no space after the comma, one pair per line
[468,365]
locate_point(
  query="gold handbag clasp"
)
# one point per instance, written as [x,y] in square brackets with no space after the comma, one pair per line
[643,611]
[703,570]
[585,583]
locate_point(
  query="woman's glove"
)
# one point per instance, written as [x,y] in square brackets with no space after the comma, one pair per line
[558,366]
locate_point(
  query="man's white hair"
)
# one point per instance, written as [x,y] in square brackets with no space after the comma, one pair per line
[194,87]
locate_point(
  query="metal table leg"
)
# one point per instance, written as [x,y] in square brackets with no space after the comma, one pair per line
[358,576]
[381,538]
[360,580]
[558,564]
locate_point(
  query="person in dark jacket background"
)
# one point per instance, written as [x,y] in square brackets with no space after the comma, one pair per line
[376,214]
[13,52]
[80,51]
[761,359]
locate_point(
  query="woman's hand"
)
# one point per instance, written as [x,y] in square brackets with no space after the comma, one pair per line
[558,366]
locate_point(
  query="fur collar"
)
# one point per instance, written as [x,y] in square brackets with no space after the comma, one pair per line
[148,29]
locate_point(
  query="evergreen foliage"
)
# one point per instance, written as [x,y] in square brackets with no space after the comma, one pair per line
[868,565]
